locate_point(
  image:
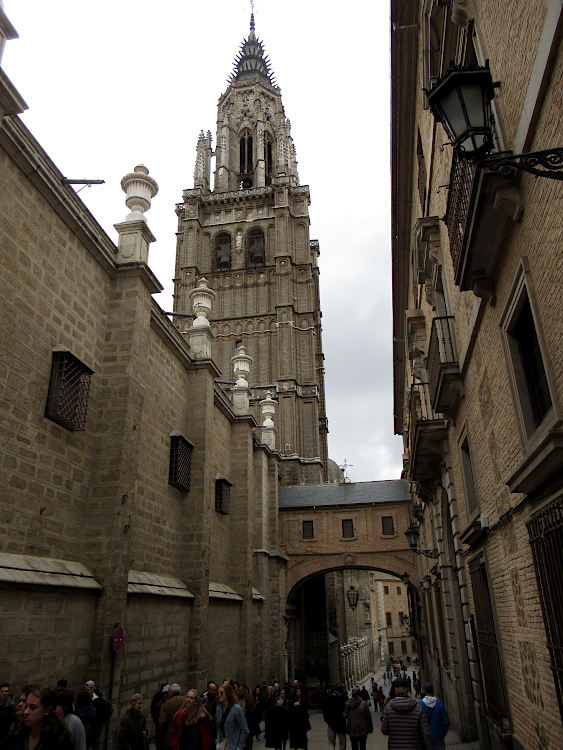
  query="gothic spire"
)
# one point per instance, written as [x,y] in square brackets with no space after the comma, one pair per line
[251,59]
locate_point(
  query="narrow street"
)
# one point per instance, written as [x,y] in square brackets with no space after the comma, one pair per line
[376,740]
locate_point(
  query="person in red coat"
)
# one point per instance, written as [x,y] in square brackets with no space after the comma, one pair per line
[191,726]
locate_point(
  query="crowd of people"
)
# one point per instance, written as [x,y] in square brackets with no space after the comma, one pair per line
[229,716]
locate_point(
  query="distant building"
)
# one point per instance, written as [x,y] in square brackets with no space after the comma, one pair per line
[478,357]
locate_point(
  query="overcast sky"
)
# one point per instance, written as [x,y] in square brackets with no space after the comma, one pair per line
[113,83]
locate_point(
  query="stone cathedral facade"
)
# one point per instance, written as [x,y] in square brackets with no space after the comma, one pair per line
[248,234]
[141,458]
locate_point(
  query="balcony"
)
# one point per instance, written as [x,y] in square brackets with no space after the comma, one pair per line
[481,207]
[426,434]
[444,381]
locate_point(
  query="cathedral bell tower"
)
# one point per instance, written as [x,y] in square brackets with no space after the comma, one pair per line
[249,237]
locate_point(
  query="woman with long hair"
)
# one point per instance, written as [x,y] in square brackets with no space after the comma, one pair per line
[232,729]
[191,727]
[41,728]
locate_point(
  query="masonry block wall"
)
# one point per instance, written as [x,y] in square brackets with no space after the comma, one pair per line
[476,488]
[96,505]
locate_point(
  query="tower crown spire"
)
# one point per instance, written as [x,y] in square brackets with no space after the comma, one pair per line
[251,59]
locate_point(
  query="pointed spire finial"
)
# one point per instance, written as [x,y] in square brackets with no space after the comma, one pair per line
[252,34]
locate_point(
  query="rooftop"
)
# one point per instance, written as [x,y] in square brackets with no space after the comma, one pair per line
[354,493]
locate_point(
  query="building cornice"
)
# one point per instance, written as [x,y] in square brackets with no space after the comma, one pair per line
[404,57]
[36,165]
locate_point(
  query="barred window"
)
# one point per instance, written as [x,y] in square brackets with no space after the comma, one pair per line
[545,528]
[67,399]
[308,530]
[180,467]
[223,496]
[486,641]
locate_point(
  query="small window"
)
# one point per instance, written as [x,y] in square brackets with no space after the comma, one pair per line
[391,647]
[69,386]
[223,496]
[403,647]
[401,618]
[387,525]
[388,620]
[308,530]
[180,467]
[531,378]
[398,591]
[347,528]
[468,480]
[386,589]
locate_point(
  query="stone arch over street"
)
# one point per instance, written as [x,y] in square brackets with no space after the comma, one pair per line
[345,545]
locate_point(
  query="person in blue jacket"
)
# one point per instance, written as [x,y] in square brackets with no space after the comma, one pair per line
[232,729]
[436,715]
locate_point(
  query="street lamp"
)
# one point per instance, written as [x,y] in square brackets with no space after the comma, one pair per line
[352,596]
[412,537]
[461,101]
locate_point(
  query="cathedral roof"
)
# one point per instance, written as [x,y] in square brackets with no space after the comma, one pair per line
[251,59]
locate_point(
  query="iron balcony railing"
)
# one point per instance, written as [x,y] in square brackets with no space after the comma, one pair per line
[461,186]
[418,410]
[441,354]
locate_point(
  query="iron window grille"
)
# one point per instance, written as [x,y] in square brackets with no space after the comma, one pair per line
[223,496]
[495,694]
[69,386]
[545,528]
[180,466]
[308,530]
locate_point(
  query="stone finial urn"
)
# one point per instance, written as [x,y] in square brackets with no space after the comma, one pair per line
[140,189]
[268,409]
[202,298]
[241,366]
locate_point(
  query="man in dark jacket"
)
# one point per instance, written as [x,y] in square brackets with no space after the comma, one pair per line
[436,715]
[333,714]
[404,721]
[358,720]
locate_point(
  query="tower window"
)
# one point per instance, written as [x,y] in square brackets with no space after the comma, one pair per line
[268,157]
[255,246]
[246,159]
[222,246]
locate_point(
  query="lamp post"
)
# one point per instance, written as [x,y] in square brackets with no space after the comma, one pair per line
[412,534]
[461,101]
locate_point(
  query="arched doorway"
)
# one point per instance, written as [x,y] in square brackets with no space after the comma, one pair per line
[344,623]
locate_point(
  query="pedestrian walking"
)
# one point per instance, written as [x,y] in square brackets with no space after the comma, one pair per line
[192,727]
[276,726]
[358,720]
[404,721]
[299,724]
[133,733]
[436,715]
[41,729]
[74,725]
[333,714]
[380,699]
[232,729]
